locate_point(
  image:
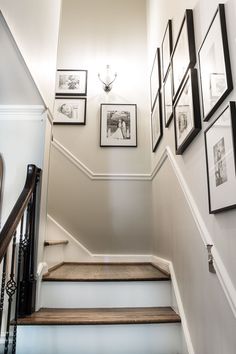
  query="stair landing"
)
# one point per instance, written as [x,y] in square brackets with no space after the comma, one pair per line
[106,272]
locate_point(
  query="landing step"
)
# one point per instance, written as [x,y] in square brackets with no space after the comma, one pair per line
[106,272]
[103,316]
[55,242]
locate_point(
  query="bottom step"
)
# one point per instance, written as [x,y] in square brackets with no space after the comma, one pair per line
[101,316]
[103,339]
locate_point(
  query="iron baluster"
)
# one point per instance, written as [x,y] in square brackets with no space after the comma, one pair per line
[4,274]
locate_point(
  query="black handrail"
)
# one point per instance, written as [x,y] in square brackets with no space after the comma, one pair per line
[18,210]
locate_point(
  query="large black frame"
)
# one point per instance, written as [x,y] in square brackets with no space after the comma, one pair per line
[165,62]
[232,107]
[196,118]
[188,20]
[158,107]
[156,66]
[227,66]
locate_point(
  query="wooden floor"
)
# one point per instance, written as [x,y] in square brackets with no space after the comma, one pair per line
[105,272]
[101,316]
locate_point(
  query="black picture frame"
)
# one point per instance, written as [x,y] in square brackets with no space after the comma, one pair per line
[70,82]
[156,123]
[167,90]
[70,110]
[214,65]
[220,148]
[183,61]
[155,78]
[187,118]
[118,125]
[166,49]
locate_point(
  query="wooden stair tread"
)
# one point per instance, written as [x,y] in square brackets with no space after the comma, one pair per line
[105,316]
[106,272]
[55,242]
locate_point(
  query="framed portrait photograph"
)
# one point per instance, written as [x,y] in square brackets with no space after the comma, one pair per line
[118,125]
[220,160]
[166,49]
[214,65]
[70,111]
[156,123]
[71,82]
[155,79]
[184,53]
[167,97]
[187,113]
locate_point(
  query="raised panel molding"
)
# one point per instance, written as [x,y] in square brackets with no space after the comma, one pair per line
[21,112]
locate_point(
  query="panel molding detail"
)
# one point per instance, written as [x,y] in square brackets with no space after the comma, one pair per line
[21,112]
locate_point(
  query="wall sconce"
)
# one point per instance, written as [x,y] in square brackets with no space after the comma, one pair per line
[108,80]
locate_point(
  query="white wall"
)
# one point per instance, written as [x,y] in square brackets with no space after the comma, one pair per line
[35,25]
[211,321]
[107,216]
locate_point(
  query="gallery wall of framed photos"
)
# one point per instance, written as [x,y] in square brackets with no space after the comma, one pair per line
[193,87]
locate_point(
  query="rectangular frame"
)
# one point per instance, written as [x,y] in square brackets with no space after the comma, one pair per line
[166,49]
[156,123]
[70,110]
[187,116]
[155,78]
[118,125]
[214,65]
[220,148]
[184,53]
[167,97]
[71,82]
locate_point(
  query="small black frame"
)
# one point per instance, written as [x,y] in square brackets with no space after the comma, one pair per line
[209,97]
[156,123]
[70,110]
[70,82]
[167,89]
[189,115]
[155,78]
[167,44]
[178,72]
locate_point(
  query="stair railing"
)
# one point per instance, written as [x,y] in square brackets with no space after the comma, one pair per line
[17,262]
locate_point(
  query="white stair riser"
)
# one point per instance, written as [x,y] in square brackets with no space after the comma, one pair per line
[105,294]
[114,339]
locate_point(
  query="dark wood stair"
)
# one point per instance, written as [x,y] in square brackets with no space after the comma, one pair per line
[104,316]
[106,272]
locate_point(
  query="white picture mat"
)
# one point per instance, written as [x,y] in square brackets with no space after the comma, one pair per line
[225,194]
[64,75]
[166,51]
[156,123]
[154,79]
[63,107]
[181,57]
[109,140]
[168,96]
[212,65]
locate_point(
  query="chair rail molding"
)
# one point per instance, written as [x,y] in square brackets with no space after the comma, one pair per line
[167,154]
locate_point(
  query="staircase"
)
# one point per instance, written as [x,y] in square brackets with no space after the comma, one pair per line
[94,308]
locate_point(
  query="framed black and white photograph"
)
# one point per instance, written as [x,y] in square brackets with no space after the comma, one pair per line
[71,82]
[220,160]
[184,53]
[167,97]
[155,79]
[187,113]
[70,111]
[118,125]
[166,49]
[214,64]
[156,123]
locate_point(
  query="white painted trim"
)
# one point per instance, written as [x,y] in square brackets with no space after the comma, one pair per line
[97,176]
[168,265]
[21,112]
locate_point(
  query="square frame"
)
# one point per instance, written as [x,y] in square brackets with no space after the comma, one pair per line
[71,82]
[216,76]
[220,148]
[187,116]
[156,123]
[70,110]
[118,125]
[167,89]
[155,78]
[184,53]
[166,49]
